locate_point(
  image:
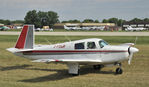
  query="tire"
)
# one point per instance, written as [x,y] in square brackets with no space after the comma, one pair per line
[77,73]
[119,71]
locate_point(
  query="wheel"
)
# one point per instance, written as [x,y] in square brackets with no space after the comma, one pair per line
[74,74]
[119,71]
[97,67]
[77,73]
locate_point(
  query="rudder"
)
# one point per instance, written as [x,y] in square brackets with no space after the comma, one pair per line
[26,38]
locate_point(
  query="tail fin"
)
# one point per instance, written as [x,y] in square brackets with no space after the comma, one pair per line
[65,27]
[26,38]
[129,27]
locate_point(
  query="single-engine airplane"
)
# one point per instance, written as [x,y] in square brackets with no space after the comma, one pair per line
[91,51]
[129,28]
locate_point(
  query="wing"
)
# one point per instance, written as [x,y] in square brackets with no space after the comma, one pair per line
[68,60]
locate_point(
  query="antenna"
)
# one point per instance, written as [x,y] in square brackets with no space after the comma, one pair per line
[67,38]
[136,40]
[47,41]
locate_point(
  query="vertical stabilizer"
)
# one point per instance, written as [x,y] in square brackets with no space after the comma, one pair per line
[26,38]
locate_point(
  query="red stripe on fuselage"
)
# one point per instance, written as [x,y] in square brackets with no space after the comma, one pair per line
[70,51]
[21,41]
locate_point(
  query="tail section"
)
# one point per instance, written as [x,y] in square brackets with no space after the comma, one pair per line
[65,27]
[26,38]
[129,27]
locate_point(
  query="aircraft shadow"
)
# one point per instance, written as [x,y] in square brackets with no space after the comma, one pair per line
[59,75]
[14,67]
[62,74]
[88,69]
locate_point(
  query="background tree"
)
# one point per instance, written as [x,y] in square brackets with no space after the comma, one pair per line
[64,22]
[75,21]
[105,21]
[96,21]
[135,20]
[52,18]
[72,21]
[31,17]
[120,22]
[17,22]
[88,21]
[6,22]
[113,20]
[146,20]
[40,18]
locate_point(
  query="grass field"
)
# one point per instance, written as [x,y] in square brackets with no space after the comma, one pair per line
[19,72]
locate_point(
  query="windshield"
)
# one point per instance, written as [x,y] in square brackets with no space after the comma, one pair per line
[102,43]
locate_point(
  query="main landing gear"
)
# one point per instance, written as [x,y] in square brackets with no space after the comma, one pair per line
[77,74]
[119,70]
[74,69]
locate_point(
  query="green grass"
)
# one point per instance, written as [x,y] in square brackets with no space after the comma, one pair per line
[20,72]
[60,39]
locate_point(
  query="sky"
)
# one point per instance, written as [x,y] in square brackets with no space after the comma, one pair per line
[77,9]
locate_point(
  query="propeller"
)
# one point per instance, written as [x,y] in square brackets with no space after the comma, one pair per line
[130,58]
[131,51]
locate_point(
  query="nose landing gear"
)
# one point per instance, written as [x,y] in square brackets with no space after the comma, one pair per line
[119,70]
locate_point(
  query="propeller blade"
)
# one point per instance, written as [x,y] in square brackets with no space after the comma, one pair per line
[132,50]
[130,58]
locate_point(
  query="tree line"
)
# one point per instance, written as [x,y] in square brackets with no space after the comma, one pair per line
[9,22]
[118,22]
[41,18]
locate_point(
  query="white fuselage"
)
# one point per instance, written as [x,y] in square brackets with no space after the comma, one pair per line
[107,54]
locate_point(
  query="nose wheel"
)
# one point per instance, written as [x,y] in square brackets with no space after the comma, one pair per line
[119,70]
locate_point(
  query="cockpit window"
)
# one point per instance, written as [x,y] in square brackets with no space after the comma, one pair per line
[102,43]
[79,46]
[91,45]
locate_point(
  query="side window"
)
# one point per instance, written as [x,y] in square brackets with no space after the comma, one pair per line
[102,43]
[79,46]
[91,45]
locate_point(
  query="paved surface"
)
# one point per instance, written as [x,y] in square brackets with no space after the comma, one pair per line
[83,33]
